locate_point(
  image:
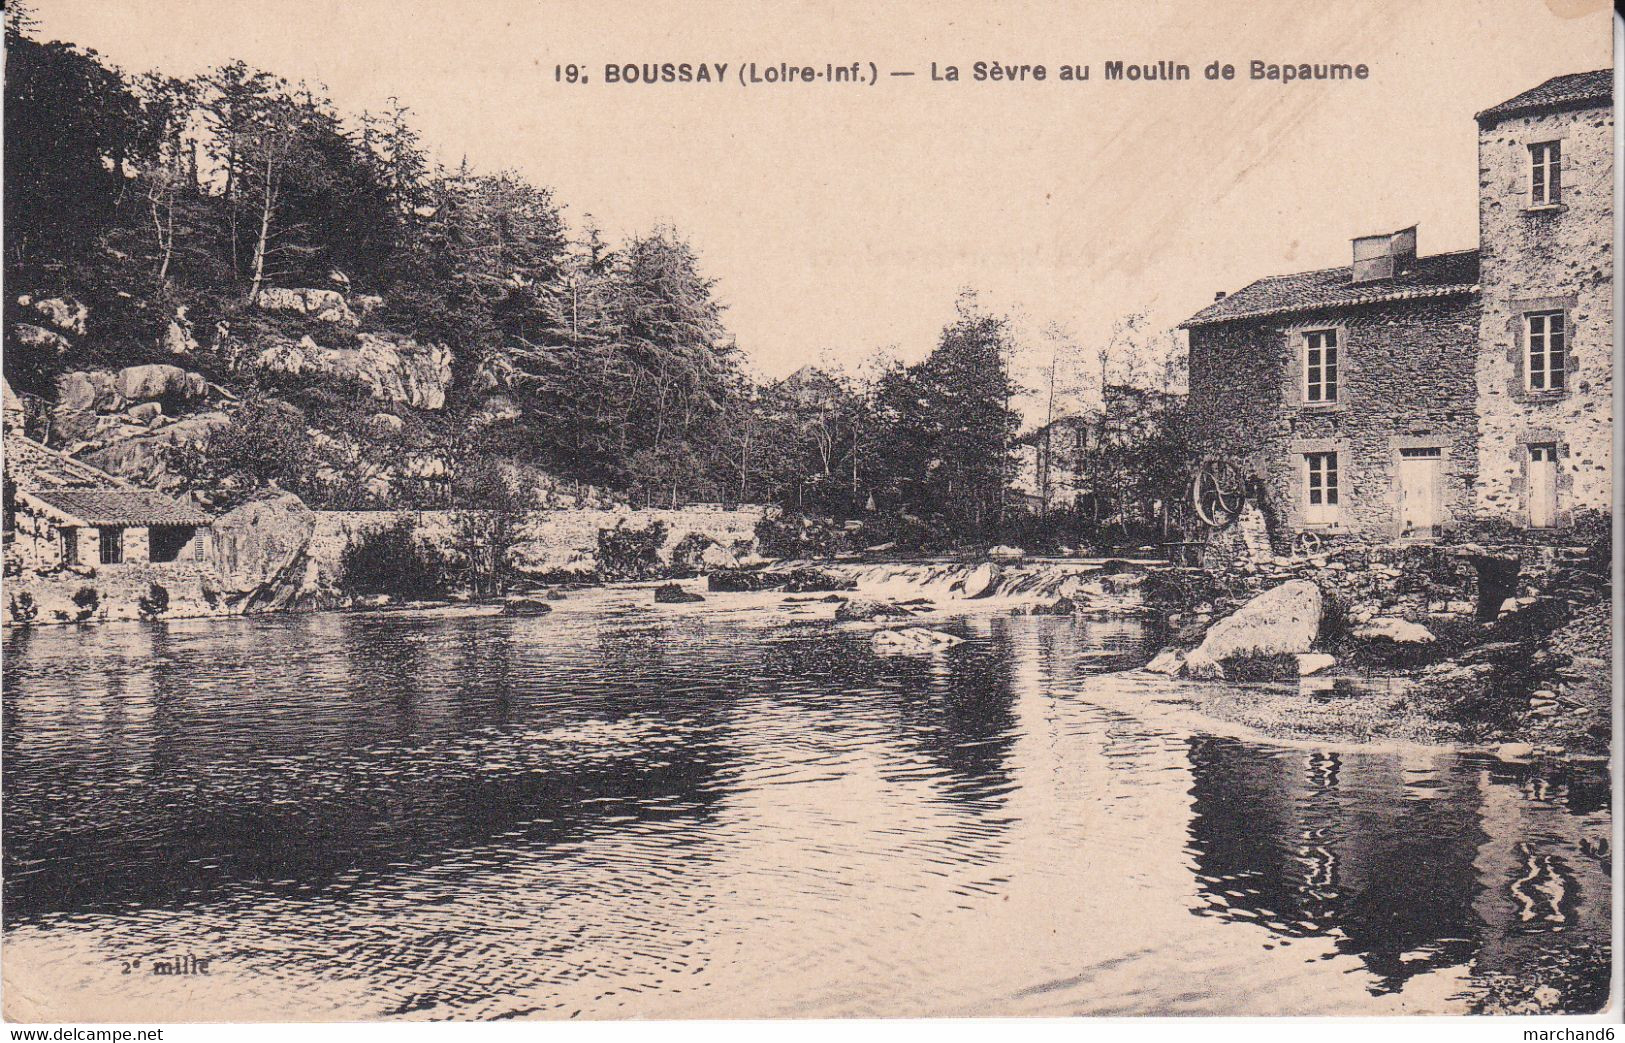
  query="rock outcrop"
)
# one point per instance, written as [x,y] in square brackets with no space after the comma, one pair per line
[178,336]
[39,338]
[140,452]
[321,305]
[391,368]
[861,609]
[982,580]
[154,382]
[65,313]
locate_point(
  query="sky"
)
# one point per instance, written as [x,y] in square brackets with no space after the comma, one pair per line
[840,219]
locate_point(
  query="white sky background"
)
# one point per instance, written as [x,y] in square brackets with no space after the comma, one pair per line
[839,219]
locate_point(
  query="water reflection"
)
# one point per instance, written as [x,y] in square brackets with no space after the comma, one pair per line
[618,811]
[1410,863]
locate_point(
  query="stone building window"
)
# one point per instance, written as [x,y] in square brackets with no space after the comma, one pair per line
[1320,366]
[1546,347]
[1320,489]
[1546,173]
[112,547]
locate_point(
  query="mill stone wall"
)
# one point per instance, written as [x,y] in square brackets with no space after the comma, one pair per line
[1539,258]
[1406,381]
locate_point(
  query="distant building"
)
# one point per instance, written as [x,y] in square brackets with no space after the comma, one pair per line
[1067,463]
[1403,395]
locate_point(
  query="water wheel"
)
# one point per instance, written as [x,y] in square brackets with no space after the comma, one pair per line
[1218,492]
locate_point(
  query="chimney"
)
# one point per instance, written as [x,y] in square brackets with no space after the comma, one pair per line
[1219,296]
[1384,256]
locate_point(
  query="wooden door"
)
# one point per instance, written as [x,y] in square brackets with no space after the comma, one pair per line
[1542,486]
[1419,508]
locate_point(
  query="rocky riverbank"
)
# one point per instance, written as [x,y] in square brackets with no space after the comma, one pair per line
[1399,649]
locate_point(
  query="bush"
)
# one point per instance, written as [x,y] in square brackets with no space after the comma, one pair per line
[1594,530]
[24,609]
[390,561]
[87,599]
[628,553]
[154,603]
[1283,667]
[800,536]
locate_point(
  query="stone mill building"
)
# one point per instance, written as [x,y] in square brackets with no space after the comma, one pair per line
[1407,395]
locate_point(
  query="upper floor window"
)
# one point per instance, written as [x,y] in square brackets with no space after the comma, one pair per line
[1548,359]
[1546,173]
[1320,489]
[1320,366]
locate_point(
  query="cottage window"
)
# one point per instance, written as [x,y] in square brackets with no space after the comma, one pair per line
[1548,358]
[1545,173]
[112,546]
[1320,366]
[1320,489]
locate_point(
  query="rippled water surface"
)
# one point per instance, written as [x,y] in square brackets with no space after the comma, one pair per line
[624,811]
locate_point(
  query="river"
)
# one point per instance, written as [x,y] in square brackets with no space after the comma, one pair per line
[732,809]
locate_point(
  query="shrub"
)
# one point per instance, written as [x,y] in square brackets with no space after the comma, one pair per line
[800,536]
[1283,667]
[1594,530]
[154,603]
[87,599]
[23,608]
[628,553]
[390,561]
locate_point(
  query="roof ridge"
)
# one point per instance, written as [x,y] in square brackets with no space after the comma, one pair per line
[1348,267]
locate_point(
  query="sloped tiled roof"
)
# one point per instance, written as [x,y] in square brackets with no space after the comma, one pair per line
[1574,90]
[1441,275]
[88,494]
[120,506]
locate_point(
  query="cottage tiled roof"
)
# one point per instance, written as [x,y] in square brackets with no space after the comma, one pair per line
[1574,90]
[93,496]
[101,506]
[1441,275]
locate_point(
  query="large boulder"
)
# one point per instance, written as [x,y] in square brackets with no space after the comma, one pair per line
[321,305]
[90,391]
[64,313]
[260,551]
[153,382]
[674,594]
[1284,620]
[391,368]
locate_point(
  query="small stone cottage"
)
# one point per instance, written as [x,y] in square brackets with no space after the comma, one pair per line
[1404,395]
[62,512]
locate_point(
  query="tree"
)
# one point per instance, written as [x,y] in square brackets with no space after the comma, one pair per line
[71,126]
[949,425]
